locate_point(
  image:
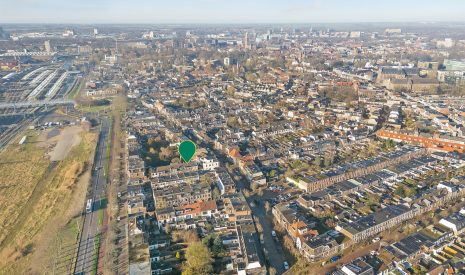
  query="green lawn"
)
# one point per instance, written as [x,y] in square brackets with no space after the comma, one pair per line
[106,166]
[75,90]
[94,109]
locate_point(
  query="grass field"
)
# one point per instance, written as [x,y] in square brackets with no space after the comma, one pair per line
[40,216]
[94,109]
[21,169]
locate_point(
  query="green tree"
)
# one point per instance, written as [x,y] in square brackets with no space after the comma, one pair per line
[272,173]
[389,143]
[373,199]
[198,260]
[218,248]
[400,191]
[317,161]
[405,191]
[208,226]
[328,160]
[216,193]
[208,240]
[206,179]
[296,164]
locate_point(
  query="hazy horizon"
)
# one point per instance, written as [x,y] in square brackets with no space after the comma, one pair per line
[227,12]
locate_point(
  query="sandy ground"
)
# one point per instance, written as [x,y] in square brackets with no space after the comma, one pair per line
[61,143]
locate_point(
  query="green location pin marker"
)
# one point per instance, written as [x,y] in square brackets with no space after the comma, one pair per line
[187,150]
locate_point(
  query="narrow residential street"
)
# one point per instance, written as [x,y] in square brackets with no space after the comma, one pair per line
[273,250]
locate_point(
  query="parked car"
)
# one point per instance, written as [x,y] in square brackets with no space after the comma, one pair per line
[286,266]
[335,259]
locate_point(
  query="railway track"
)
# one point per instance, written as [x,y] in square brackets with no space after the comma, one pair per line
[11,133]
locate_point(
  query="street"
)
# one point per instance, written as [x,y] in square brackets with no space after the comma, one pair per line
[88,253]
[274,252]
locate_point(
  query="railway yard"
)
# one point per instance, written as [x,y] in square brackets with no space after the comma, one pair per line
[30,93]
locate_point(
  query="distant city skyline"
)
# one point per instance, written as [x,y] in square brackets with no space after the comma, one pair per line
[224,11]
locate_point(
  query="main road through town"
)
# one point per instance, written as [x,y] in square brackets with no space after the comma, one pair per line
[88,253]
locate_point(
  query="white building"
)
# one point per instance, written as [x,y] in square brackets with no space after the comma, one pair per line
[210,163]
[455,222]
[446,43]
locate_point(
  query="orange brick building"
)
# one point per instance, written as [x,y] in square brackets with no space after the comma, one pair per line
[439,144]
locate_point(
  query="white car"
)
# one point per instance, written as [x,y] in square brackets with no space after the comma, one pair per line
[286,266]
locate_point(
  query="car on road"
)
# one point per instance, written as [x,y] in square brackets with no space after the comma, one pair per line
[89,206]
[286,266]
[335,259]
[273,234]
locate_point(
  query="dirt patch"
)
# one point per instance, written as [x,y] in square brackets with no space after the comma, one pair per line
[59,142]
[68,138]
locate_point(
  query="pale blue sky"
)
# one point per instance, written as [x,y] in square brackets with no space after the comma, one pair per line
[228,11]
